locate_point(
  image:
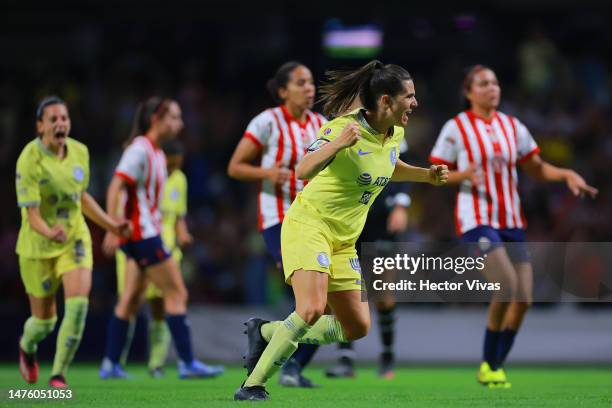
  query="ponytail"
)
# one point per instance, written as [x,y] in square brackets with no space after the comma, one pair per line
[144,114]
[367,83]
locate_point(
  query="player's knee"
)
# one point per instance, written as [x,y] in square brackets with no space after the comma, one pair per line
[357,329]
[312,312]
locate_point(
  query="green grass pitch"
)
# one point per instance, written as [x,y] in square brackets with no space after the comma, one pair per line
[412,387]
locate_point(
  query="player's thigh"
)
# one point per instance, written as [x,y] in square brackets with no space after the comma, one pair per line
[166,275]
[74,266]
[39,276]
[304,247]
[352,312]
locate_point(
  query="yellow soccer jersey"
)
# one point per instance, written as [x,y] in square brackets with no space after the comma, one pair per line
[173,206]
[55,186]
[342,193]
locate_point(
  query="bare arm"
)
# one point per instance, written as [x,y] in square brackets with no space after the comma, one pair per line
[240,166]
[471,173]
[94,212]
[436,175]
[183,237]
[38,224]
[113,197]
[314,162]
[540,170]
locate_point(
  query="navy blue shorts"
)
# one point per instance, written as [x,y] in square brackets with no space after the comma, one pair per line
[272,237]
[146,252]
[488,238]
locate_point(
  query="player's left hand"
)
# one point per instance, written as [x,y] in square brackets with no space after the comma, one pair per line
[438,174]
[578,186]
[123,229]
[397,222]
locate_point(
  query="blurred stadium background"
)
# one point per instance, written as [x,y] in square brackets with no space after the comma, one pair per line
[553,60]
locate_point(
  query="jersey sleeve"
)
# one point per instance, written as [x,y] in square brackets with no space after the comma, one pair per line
[259,129]
[131,167]
[446,147]
[86,169]
[27,180]
[526,145]
[328,132]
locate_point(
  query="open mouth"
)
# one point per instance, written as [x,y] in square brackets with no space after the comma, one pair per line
[60,134]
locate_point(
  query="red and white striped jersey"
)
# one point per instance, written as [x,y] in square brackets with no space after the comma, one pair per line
[143,167]
[281,139]
[496,146]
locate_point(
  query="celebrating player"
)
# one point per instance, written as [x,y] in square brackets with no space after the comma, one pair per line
[142,173]
[175,235]
[484,147]
[54,244]
[355,156]
[281,135]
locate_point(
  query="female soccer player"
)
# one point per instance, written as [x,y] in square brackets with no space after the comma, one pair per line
[355,156]
[484,147]
[54,244]
[281,135]
[175,235]
[142,173]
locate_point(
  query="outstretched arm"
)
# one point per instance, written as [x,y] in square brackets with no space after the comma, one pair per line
[540,170]
[436,175]
[94,212]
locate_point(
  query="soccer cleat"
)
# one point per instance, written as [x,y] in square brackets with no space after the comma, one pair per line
[156,372]
[28,366]
[58,381]
[291,376]
[387,363]
[110,370]
[255,393]
[198,369]
[492,378]
[343,369]
[256,343]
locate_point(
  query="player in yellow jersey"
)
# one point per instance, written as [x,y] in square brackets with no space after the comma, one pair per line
[355,156]
[54,244]
[175,235]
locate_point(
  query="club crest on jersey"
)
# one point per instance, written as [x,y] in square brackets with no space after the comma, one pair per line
[317,144]
[323,259]
[364,179]
[78,173]
[393,157]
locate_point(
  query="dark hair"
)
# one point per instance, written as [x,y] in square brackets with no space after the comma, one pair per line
[47,101]
[173,147]
[281,79]
[368,83]
[470,74]
[155,105]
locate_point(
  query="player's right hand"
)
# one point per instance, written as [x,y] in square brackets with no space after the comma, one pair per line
[349,136]
[278,174]
[110,244]
[58,233]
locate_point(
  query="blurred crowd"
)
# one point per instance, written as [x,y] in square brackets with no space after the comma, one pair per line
[555,78]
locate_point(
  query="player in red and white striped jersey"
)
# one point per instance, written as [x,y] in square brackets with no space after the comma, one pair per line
[484,147]
[280,135]
[142,173]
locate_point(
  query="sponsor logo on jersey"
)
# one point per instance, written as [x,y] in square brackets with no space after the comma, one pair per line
[355,264]
[393,157]
[323,259]
[362,153]
[78,173]
[365,197]
[364,179]
[382,181]
[327,131]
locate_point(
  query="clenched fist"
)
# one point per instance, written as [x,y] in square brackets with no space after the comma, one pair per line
[438,174]
[349,136]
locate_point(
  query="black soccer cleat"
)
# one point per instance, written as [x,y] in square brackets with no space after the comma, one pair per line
[256,343]
[291,376]
[255,393]
[344,368]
